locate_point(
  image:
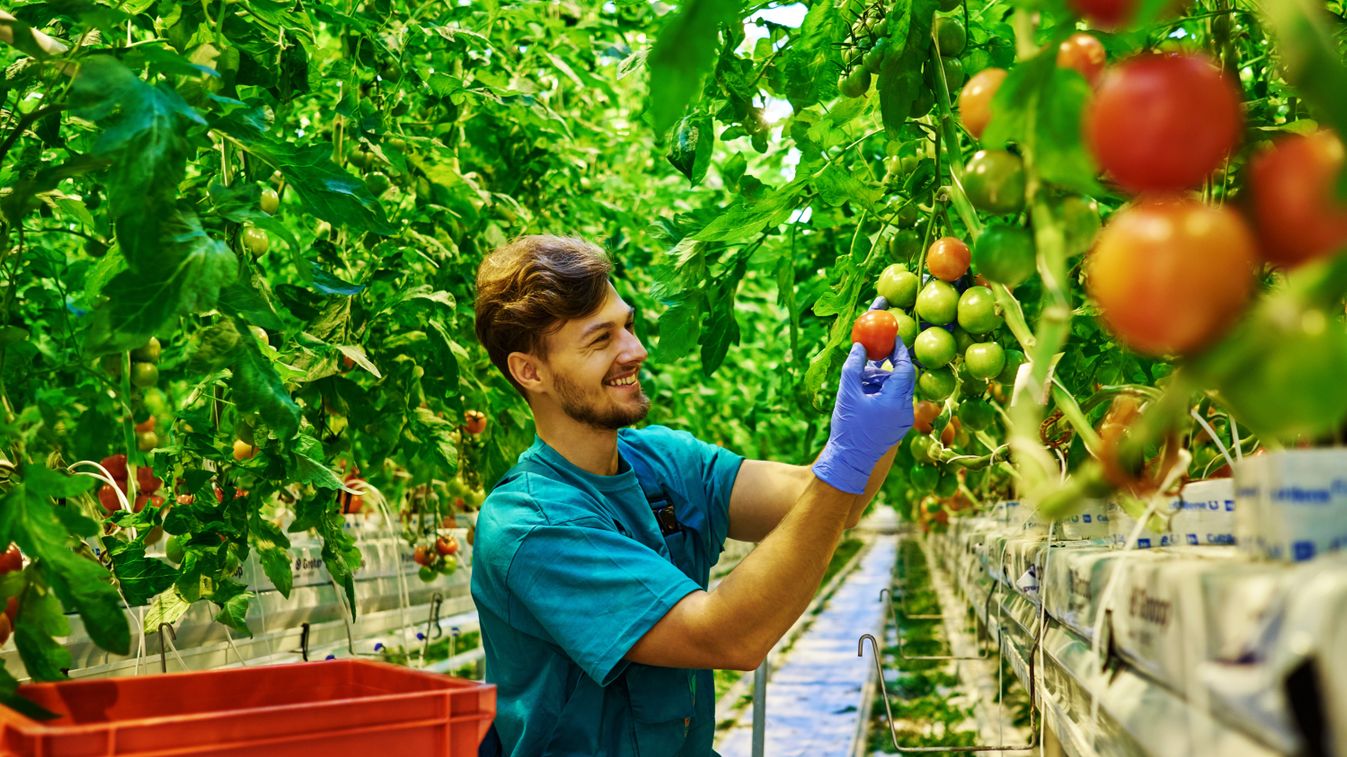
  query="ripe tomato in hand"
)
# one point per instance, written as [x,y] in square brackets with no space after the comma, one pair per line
[1170,274]
[1295,203]
[1163,122]
[948,258]
[1083,52]
[878,331]
[975,101]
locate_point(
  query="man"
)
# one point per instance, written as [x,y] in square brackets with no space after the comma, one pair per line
[593,553]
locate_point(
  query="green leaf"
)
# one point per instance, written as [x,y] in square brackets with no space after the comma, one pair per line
[258,389]
[746,218]
[310,471]
[40,622]
[357,355]
[837,185]
[272,546]
[437,434]
[183,275]
[168,608]
[140,577]
[694,141]
[1016,99]
[1309,55]
[324,189]
[28,519]
[234,609]
[242,298]
[683,55]
[145,139]
[678,329]
[1061,155]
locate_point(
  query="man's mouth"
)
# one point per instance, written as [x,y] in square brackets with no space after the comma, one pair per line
[628,379]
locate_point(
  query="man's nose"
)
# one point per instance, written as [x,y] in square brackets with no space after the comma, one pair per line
[632,349]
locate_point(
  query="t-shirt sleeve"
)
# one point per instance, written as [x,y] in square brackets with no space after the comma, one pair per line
[627,588]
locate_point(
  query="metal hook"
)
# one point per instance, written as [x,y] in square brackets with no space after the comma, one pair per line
[436,600]
[163,645]
[304,640]
[893,733]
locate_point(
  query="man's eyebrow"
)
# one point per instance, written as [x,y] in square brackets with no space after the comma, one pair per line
[595,328]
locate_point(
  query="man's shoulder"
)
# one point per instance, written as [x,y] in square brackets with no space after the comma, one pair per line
[656,437]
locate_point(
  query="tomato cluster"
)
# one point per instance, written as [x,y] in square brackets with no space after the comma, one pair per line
[10,561]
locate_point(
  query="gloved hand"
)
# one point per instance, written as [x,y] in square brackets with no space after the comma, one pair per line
[865,425]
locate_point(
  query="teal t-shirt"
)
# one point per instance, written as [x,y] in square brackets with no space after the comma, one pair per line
[570,569]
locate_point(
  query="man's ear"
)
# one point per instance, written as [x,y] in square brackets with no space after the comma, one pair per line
[527,370]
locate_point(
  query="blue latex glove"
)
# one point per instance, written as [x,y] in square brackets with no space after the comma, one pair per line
[865,423]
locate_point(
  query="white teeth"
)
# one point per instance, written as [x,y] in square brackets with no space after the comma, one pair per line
[628,381]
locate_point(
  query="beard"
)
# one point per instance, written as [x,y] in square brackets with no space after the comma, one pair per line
[598,410]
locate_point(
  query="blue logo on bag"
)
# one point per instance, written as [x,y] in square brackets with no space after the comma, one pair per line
[1303,550]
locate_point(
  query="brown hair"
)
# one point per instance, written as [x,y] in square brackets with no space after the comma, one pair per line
[529,287]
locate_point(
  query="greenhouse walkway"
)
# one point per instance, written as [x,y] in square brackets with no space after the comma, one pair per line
[814,696]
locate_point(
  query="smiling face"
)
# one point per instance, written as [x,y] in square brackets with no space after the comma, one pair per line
[592,367]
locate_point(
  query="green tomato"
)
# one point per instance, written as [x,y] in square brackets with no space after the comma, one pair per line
[1005,254]
[144,374]
[920,447]
[962,339]
[977,414]
[147,353]
[935,347]
[427,573]
[938,302]
[270,201]
[985,360]
[947,485]
[255,241]
[907,327]
[898,285]
[854,84]
[994,181]
[1079,217]
[954,75]
[936,383]
[950,36]
[1014,359]
[173,550]
[977,310]
[924,478]
[904,246]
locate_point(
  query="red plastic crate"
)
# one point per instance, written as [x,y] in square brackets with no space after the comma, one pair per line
[314,708]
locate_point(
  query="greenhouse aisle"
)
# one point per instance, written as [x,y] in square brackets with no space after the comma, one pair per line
[814,697]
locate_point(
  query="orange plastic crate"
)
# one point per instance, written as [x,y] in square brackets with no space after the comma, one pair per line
[314,708]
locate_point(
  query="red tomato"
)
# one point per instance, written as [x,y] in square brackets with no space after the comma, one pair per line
[1170,274]
[153,499]
[1083,52]
[107,497]
[1295,204]
[145,425]
[878,331]
[446,545]
[925,414]
[474,422]
[351,504]
[1163,122]
[11,560]
[975,101]
[948,258]
[423,555]
[116,466]
[146,481]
